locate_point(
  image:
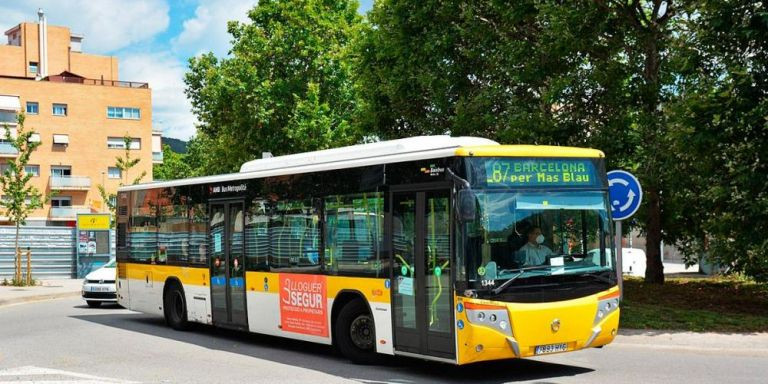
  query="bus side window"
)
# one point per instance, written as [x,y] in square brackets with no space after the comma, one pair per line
[257,235]
[198,222]
[294,236]
[353,234]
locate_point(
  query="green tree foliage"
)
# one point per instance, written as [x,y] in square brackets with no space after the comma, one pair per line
[19,198]
[285,87]
[721,141]
[574,73]
[174,166]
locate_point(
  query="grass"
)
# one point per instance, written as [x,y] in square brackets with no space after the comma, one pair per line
[696,304]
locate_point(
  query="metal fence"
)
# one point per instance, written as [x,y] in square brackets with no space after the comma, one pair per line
[53,251]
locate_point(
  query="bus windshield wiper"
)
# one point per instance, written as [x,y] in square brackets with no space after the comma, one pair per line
[599,276]
[520,272]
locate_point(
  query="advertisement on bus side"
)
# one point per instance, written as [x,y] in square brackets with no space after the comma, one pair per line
[303,304]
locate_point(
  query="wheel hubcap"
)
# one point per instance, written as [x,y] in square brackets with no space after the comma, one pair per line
[361,332]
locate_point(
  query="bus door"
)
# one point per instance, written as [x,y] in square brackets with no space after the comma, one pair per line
[225,242]
[422,293]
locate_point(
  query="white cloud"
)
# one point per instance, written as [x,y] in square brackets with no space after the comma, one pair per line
[171,111]
[108,25]
[207,30]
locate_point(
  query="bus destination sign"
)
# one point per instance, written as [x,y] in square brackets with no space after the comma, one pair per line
[515,172]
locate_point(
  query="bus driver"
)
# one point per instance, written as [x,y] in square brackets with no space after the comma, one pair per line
[535,251]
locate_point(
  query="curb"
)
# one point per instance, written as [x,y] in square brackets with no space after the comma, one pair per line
[33,298]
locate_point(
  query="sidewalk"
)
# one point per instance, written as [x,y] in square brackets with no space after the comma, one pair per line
[49,289]
[736,343]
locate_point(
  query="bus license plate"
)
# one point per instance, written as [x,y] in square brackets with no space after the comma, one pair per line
[551,348]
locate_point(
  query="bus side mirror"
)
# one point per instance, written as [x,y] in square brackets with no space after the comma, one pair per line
[467,207]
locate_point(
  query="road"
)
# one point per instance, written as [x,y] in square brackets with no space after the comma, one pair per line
[64,341]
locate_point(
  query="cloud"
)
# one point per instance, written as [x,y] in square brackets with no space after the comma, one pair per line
[207,30]
[108,25]
[171,111]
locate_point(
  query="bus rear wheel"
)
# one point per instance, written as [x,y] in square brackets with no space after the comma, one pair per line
[175,308]
[355,333]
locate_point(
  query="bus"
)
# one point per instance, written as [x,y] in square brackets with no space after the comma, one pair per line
[453,249]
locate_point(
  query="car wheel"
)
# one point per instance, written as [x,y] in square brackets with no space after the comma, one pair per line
[355,333]
[175,308]
[93,304]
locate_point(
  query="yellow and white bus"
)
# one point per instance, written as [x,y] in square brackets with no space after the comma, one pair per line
[455,249]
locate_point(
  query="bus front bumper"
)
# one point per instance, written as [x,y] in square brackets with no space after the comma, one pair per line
[490,330]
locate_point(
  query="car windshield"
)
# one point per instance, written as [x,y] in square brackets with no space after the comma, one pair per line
[518,235]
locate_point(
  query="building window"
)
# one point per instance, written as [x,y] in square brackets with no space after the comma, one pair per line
[33,170]
[33,67]
[114,173]
[4,167]
[59,109]
[61,171]
[123,113]
[7,199]
[119,143]
[33,108]
[61,201]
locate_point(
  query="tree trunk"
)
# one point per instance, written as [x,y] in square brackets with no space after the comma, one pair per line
[654,269]
[17,255]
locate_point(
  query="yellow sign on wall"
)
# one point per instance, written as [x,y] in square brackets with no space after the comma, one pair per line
[91,222]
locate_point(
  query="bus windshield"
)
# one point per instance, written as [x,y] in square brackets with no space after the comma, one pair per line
[519,235]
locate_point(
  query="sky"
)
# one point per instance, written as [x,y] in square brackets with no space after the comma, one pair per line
[152,39]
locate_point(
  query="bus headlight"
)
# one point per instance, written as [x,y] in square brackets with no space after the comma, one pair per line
[494,317]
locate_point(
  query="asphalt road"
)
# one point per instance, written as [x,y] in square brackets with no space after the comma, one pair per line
[65,341]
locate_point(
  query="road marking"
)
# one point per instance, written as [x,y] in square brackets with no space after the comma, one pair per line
[17,376]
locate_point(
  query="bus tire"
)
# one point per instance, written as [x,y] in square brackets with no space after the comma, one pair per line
[355,333]
[175,307]
[93,304]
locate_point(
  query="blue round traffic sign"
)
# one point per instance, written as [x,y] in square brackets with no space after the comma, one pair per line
[625,193]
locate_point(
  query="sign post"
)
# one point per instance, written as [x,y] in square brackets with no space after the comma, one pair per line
[626,194]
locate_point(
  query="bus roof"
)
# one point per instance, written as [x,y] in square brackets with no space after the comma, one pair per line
[391,151]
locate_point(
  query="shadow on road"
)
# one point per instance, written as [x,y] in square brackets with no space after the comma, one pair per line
[324,358]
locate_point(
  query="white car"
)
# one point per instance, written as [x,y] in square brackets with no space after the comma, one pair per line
[99,285]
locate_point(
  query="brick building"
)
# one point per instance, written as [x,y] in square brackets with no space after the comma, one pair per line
[80,112]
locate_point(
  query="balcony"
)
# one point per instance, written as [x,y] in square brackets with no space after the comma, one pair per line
[8,150]
[157,157]
[70,183]
[67,213]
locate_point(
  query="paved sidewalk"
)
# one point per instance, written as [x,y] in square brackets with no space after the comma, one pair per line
[48,289]
[708,342]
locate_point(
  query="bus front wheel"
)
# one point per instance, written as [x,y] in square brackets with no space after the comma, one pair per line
[355,333]
[175,307]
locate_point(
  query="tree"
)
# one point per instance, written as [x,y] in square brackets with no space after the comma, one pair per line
[286,86]
[722,134]
[574,73]
[20,198]
[174,166]
[124,164]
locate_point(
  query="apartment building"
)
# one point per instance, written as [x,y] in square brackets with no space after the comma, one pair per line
[80,111]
